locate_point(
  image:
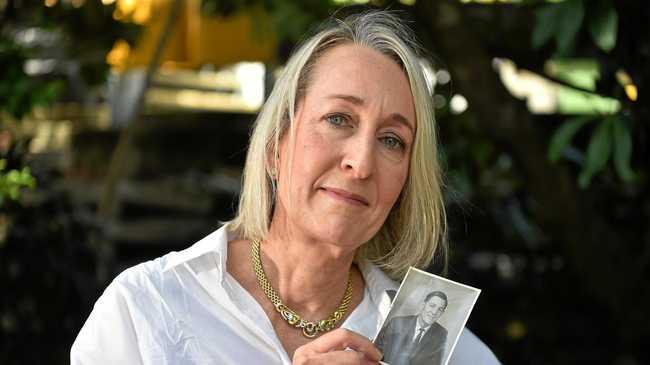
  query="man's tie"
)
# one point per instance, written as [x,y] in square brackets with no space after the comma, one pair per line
[418,338]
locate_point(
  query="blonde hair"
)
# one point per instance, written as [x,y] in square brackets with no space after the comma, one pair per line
[416,226]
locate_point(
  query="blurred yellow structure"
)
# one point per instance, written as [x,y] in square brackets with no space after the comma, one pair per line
[196,39]
[235,50]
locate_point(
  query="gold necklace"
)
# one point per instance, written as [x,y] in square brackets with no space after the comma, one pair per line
[309,329]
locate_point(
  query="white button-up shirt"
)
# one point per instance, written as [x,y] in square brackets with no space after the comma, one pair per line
[184,308]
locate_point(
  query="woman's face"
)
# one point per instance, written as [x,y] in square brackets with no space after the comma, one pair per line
[354,129]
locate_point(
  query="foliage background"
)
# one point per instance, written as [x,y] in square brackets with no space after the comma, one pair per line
[549,213]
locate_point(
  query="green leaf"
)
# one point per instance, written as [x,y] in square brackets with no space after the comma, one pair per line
[13,177]
[563,135]
[13,192]
[603,25]
[579,72]
[573,101]
[13,182]
[622,150]
[598,151]
[569,22]
[545,24]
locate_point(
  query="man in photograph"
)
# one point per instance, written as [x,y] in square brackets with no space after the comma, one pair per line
[416,339]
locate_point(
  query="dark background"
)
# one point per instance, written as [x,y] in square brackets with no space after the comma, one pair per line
[548,212]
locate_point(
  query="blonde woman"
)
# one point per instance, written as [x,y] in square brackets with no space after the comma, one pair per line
[341,194]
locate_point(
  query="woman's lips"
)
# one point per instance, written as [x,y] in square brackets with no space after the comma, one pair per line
[345,196]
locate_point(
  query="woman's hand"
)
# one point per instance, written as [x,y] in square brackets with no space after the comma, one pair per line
[340,347]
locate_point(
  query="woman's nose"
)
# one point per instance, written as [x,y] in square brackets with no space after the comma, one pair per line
[359,159]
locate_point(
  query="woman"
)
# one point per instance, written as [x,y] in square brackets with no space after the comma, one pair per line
[341,194]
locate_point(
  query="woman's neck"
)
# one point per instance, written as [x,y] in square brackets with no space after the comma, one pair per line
[309,275]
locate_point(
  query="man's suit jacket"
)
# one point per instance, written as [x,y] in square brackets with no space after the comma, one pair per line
[396,342]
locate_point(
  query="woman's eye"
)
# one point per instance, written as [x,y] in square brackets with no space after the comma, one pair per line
[338,120]
[393,143]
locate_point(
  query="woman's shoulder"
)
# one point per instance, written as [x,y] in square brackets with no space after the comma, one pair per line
[134,298]
[144,303]
[153,271]
[145,276]
[125,309]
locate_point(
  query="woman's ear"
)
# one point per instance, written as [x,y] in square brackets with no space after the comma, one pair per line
[272,162]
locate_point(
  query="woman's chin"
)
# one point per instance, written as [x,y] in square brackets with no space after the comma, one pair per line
[341,233]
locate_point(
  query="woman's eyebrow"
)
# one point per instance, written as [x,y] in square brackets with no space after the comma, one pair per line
[359,101]
[349,98]
[402,120]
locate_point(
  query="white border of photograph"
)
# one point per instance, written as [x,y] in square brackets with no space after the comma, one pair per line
[416,285]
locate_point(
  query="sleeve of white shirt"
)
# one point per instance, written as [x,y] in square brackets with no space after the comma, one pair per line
[109,335]
[471,350]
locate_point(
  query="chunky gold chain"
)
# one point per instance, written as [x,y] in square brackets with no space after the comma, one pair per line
[309,329]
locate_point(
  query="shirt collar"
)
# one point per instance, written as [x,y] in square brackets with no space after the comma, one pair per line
[213,247]
[212,250]
[421,325]
[378,283]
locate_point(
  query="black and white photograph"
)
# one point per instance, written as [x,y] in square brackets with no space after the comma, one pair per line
[425,320]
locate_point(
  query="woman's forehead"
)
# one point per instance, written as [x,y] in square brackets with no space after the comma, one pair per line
[358,73]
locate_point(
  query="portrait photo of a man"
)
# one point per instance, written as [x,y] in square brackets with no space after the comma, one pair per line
[426,317]
[427,341]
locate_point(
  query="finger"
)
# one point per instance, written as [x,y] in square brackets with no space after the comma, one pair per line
[341,339]
[338,357]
